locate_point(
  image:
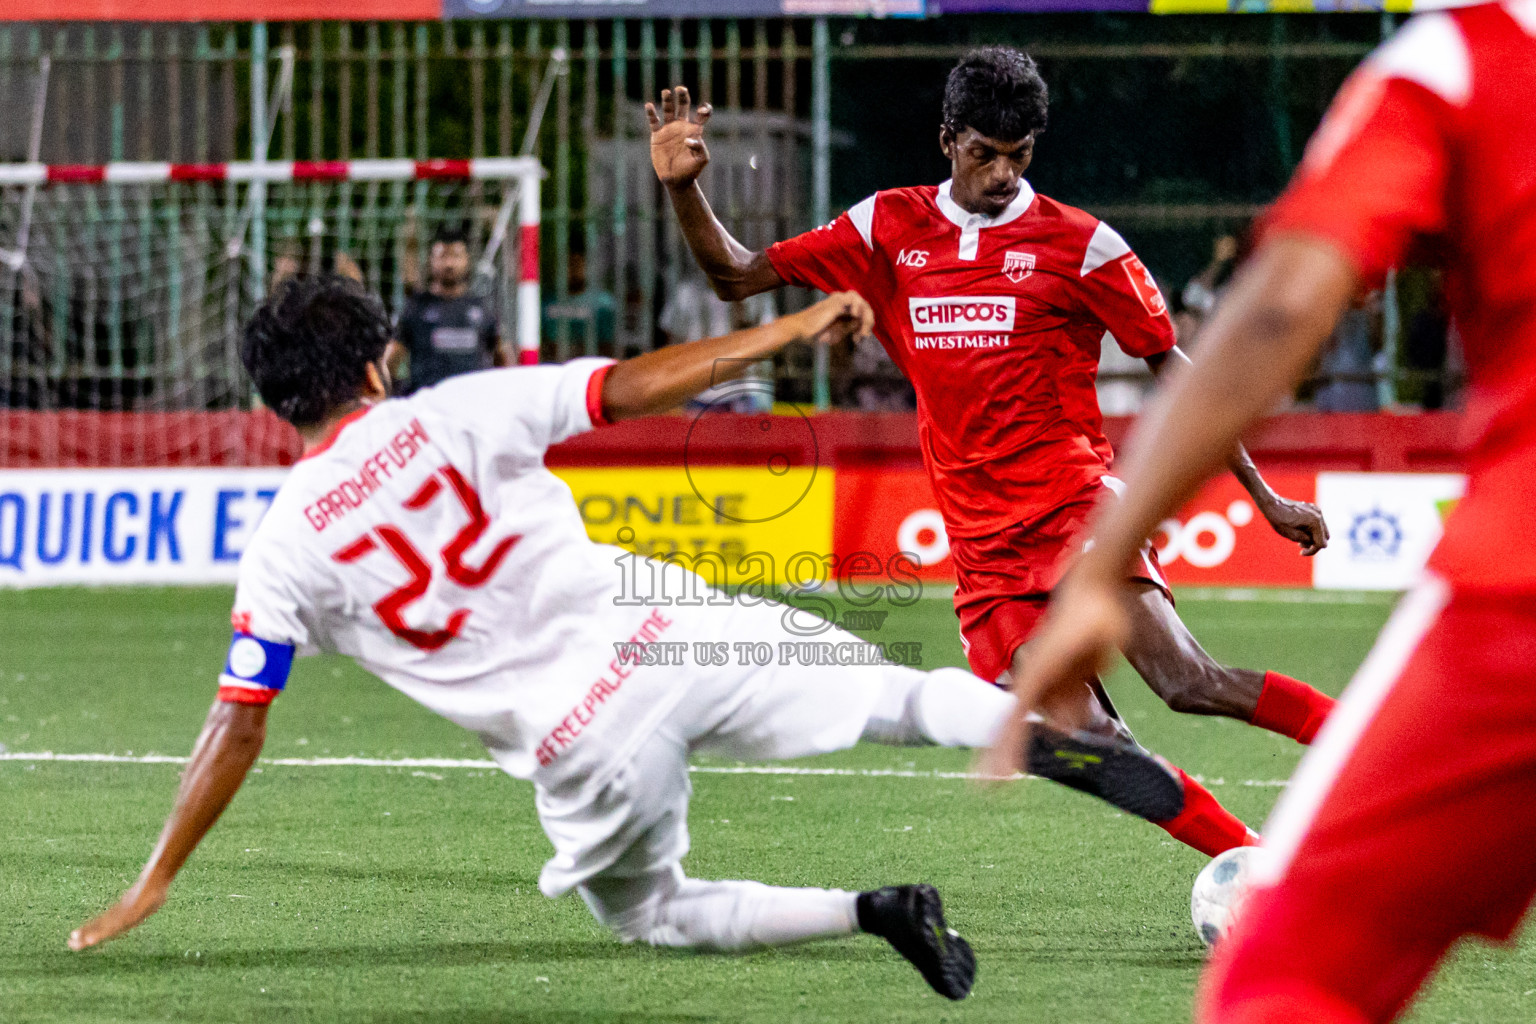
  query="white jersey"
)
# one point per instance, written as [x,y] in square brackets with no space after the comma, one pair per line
[427,540]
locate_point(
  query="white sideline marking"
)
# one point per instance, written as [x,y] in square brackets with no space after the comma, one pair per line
[1246,595]
[451,762]
[1239,595]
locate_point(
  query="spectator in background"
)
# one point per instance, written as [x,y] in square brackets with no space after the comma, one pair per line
[445,330]
[590,315]
[875,384]
[1348,369]
[1199,296]
[290,260]
[693,311]
[1430,359]
[1125,381]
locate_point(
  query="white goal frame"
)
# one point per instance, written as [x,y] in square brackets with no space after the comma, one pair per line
[527,172]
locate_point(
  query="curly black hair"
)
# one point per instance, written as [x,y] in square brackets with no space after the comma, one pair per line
[998,91]
[308,345]
[451,232]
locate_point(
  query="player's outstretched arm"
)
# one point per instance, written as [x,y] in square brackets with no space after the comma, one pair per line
[679,155]
[231,739]
[1299,521]
[1276,316]
[666,378]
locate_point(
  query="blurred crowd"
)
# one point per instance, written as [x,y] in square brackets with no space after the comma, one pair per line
[1395,350]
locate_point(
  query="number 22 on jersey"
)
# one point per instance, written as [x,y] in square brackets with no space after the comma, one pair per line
[391,607]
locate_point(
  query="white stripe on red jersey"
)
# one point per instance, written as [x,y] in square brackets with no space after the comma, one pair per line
[997,322]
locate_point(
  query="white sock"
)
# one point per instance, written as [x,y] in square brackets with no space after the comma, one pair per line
[947,707]
[744,915]
[669,909]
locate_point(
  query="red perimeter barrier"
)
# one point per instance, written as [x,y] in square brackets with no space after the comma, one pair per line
[69,440]
[1296,441]
[1375,442]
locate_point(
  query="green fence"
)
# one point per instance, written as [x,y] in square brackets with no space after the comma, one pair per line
[1173,129]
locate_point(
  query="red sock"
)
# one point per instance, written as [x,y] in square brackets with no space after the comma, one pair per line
[1291,708]
[1205,824]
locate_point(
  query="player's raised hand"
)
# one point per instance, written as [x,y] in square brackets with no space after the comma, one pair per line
[678,152]
[1085,625]
[135,906]
[838,316]
[1299,521]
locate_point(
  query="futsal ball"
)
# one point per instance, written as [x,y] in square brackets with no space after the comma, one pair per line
[1220,889]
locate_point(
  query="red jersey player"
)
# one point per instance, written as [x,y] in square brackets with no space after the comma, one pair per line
[994,300]
[1410,823]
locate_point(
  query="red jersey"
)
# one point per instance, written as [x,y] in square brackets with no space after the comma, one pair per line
[1431,147]
[997,323]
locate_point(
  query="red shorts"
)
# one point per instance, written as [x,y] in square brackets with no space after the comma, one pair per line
[1410,823]
[1005,579]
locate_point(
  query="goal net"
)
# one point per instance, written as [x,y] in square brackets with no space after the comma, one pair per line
[123,287]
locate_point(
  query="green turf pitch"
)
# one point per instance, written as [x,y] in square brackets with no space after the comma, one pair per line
[408,896]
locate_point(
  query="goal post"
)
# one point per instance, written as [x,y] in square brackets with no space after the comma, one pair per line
[528,309]
[123,286]
[512,168]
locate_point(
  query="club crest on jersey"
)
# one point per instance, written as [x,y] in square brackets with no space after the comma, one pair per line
[1018,265]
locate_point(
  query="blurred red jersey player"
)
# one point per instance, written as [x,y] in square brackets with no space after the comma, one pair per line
[1410,823]
[994,301]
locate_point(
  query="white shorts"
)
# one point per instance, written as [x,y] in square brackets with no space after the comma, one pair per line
[635,822]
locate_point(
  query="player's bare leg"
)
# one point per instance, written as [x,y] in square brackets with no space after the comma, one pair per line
[1165,654]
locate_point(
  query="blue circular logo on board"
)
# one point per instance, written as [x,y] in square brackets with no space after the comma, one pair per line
[1375,536]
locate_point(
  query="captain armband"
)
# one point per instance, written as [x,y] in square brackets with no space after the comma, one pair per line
[255,671]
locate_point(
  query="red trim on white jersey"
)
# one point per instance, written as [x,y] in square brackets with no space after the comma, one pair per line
[595,410]
[247,694]
[335,432]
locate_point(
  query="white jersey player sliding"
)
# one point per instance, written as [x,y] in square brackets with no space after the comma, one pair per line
[425,538]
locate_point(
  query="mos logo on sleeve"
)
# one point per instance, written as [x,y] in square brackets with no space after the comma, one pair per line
[1143,284]
[1018,265]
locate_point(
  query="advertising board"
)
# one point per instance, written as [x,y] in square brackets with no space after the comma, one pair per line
[782,520]
[1217,540]
[1384,526]
[145,526]
[106,526]
[1220,540]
